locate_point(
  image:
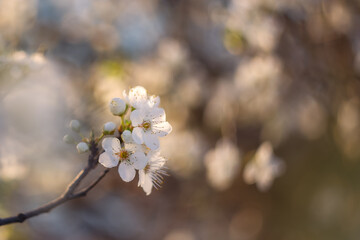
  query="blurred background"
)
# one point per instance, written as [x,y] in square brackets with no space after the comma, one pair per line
[240,80]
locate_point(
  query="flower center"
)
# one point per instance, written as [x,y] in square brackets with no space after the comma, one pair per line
[123,155]
[147,168]
[146,125]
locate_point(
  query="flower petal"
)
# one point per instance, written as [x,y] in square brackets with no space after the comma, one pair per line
[138,135]
[155,160]
[111,144]
[141,177]
[151,141]
[126,171]
[154,101]
[137,117]
[162,129]
[156,115]
[107,160]
[139,160]
[137,97]
[148,184]
[250,173]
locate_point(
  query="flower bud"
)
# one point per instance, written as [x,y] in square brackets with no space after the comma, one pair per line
[109,128]
[117,106]
[82,147]
[126,136]
[75,125]
[68,139]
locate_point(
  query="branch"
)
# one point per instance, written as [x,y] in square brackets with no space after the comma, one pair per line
[69,193]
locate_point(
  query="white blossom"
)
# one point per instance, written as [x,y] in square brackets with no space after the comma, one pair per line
[126,136]
[152,175]
[117,106]
[68,139]
[149,124]
[82,147]
[137,97]
[263,168]
[131,157]
[75,125]
[222,164]
[109,128]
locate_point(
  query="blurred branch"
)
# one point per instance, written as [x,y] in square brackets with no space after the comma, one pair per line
[69,193]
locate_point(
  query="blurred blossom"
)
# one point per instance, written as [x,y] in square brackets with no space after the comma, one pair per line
[246,224]
[33,120]
[153,74]
[261,31]
[10,167]
[135,22]
[339,16]
[190,92]
[33,61]
[172,52]
[263,168]
[311,118]
[258,82]
[348,123]
[16,17]
[108,88]
[180,234]
[222,164]
[221,108]
[186,149]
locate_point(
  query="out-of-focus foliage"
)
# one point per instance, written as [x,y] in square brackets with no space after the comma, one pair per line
[232,74]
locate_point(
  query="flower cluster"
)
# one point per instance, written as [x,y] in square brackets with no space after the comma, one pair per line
[264,168]
[139,149]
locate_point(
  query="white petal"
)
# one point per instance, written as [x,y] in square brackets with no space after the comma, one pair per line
[138,135]
[137,117]
[137,97]
[250,173]
[162,129]
[141,177]
[156,115]
[148,184]
[107,160]
[111,144]
[155,160]
[139,160]
[154,101]
[126,97]
[151,141]
[126,136]
[126,171]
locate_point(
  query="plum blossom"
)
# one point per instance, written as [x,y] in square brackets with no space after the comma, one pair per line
[75,125]
[109,128]
[149,124]
[264,167]
[131,157]
[117,106]
[82,147]
[138,98]
[222,164]
[152,175]
[126,136]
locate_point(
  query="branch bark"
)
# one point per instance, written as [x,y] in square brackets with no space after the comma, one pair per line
[69,193]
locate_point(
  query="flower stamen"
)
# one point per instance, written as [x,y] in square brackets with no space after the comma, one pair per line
[123,155]
[146,125]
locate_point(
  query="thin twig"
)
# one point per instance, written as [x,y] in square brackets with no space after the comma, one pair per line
[69,193]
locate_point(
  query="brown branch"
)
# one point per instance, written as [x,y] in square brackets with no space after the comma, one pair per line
[68,194]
